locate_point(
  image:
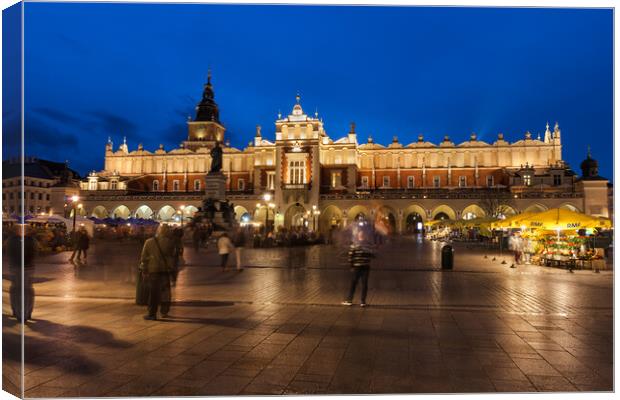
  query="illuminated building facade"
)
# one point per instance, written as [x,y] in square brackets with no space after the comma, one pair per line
[316,179]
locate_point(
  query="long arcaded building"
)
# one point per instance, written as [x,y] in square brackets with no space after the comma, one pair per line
[314,179]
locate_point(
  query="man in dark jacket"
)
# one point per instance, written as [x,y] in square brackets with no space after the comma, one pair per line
[360,255]
[21,235]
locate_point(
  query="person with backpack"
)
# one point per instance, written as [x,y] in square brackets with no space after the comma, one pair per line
[360,255]
[224,248]
[156,264]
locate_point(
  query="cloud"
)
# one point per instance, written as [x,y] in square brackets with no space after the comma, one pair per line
[41,134]
[112,123]
[59,116]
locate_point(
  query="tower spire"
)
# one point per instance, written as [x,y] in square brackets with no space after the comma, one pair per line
[207,109]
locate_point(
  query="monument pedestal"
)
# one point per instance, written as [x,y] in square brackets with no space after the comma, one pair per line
[215,186]
[215,206]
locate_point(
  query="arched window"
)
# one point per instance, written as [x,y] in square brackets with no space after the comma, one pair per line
[155,185]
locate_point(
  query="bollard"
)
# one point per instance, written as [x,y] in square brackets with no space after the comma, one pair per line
[447,257]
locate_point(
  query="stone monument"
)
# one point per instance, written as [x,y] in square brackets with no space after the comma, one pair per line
[215,181]
[215,208]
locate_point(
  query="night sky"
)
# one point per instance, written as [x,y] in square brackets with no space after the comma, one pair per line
[137,70]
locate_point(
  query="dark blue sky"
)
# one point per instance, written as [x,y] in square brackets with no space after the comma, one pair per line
[137,70]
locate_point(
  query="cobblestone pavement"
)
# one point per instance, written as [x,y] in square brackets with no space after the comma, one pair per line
[278,327]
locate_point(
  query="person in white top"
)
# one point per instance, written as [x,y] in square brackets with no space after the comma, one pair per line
[224,248]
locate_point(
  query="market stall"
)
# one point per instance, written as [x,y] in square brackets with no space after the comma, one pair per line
[561,238]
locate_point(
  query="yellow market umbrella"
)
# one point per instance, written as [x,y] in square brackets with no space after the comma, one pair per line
[562,219]
[479,222]
[512,221]
[606,223]
[436,222]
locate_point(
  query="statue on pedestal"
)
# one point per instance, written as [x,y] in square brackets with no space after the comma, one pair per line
[216,158]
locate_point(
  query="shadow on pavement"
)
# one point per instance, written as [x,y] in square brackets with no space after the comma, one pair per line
[40,351]
[77,333]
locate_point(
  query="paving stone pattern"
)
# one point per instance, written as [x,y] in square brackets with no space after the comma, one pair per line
[278,327]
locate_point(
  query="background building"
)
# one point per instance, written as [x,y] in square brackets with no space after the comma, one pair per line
[315,179]
[46,185]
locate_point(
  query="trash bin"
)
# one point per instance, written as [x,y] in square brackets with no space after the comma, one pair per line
[447,257]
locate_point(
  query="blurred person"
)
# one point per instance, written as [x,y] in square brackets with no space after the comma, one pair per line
[83,242]
[224,248]
[21,275]
[239,242]
[156,264]
[515,243]
[360,255]
[75,243]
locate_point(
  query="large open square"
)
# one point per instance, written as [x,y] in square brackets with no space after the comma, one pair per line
[278,327]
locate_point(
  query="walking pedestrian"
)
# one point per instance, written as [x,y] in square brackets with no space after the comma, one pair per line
[21,234]
[239,241]
[156,266]
[360,255]
[83,242]
[224,247]
[75,241]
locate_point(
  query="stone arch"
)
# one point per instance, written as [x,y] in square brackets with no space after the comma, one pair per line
[189,211]
[473,211]
[81,211]
[570,207]
[166,213]
[121,212]
[294,216]
[240,211]
[536,207]
[413,214]
[100,212]
[144,212]
[443,211]
[506,211]
[356,211]
[386,215]
[331,217]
